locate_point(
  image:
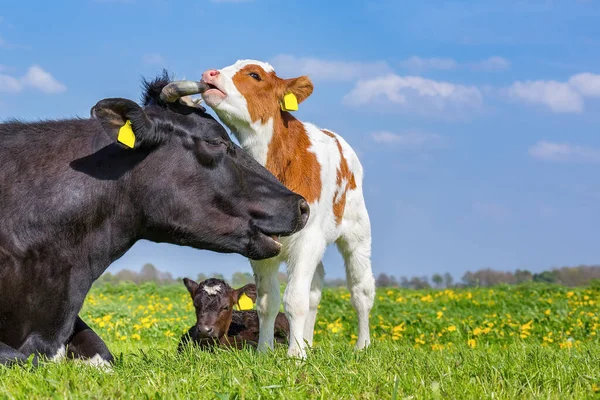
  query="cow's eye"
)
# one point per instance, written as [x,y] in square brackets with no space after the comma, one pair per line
[226,308]
[255,75]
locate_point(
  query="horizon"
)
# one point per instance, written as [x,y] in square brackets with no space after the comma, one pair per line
[476,122]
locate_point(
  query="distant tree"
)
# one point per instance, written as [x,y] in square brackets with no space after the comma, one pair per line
[523,275]
[404,282]
[393,281]
[469,279]
[282,277]
[149,273]
[239,279]
[383,280]
[437,280]
[448,280]
[126,275]
[546,277]
[419,283]
[201,277]
[219,276]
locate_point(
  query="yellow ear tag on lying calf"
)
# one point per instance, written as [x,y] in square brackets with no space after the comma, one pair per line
[126,135]
[289,103]
[245,302]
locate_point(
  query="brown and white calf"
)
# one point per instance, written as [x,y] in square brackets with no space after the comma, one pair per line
[217,323]
[319,165]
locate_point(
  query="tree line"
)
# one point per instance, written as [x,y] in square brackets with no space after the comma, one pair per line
[568,276]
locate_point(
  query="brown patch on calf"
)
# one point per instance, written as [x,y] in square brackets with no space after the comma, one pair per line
[290,160]
[343,172]
[288,157]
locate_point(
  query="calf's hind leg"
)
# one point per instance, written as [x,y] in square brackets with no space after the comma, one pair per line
[355,247]
[86,345]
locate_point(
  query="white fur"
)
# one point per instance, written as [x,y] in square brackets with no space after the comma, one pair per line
[304,250]
[60,355]
[212,290]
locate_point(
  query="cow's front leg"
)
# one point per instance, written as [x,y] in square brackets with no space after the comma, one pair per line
[87,346]
[10,356]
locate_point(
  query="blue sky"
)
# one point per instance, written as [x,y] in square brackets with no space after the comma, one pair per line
[477,122]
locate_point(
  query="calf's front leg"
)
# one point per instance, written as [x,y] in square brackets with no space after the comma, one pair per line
[267,301]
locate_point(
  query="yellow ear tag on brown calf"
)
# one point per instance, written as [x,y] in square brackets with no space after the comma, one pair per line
[126,135]
[245,302]
[289,103]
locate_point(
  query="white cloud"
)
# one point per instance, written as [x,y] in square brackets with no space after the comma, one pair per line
[564,152]
[587,84]
[9,84]
[35,78]
[493,64]
[153,59]
[558,96]
[415,63]
[288,65]
[412,140]
[414,93]
[39,79]
[418,63]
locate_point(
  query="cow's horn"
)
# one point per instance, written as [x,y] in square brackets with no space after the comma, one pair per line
[177,89]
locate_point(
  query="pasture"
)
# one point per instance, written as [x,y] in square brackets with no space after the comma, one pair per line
[529,341]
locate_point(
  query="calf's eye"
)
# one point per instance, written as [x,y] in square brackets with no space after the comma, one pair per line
[255,75]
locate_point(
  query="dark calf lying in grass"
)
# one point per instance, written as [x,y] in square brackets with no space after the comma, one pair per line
[217,323]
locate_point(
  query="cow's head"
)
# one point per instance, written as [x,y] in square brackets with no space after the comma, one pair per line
[214,300]
[193,185]
[249,92]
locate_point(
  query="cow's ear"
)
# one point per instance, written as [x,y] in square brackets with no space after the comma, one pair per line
[191,286]
[125,122]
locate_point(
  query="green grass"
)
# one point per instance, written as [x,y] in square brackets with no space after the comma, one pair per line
[506,342]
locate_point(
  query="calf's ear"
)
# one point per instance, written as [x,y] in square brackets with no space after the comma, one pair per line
[191,286]
[125,122]
[301,87]
[249,290]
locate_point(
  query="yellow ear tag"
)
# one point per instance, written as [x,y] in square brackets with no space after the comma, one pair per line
[245,302]
[289,103]
[126,135]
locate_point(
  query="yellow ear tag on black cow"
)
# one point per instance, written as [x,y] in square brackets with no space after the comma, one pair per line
[245,302]
[126,135]
[289,103]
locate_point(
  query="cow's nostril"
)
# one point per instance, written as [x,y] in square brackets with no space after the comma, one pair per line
[214,72]
[304,212]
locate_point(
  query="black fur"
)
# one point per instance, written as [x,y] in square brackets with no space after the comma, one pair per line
[73,200]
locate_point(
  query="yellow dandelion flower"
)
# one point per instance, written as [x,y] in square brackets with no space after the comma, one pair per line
[452,328]
[440,314]
[472,343]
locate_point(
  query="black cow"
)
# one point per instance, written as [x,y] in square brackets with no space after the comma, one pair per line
[73,200]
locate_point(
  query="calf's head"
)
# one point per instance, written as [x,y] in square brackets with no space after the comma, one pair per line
[193,185]
[249,92]
[214,300]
